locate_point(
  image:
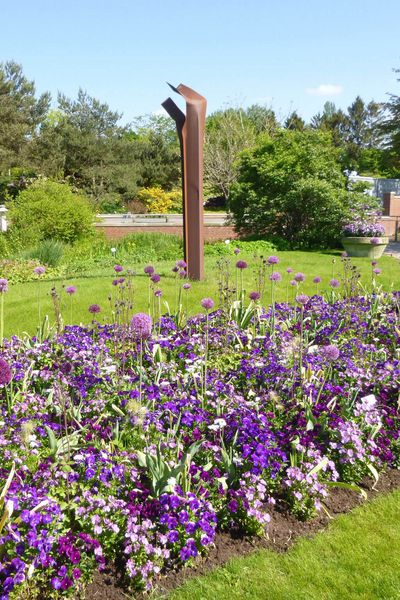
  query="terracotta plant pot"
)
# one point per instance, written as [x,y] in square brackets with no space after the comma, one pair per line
[362,246]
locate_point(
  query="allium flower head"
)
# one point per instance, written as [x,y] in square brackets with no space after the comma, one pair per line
[317,280]
[299,277]
[94,309]
[334,283]
[181,264]
[241,264]
[70,289]
[158,293]
[3,286]
[155,278]
[175,269]
[186,286]
[118,268]
[149,270]
[331,352]
[236,251]
[374,263]
[275,276]
[141,325]
[40,270]
[377,271]
[182,273]
[289,270]
[5,372]
[207,303]
[254,296]
[272,260]
[302,299]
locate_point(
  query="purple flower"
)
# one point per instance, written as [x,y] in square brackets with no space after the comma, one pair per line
[39,270]
[149,270]
[317,280]
[377,271]
[155,278]
[5,372]
[299,277]
[375,241]
[241,264]
[374,263]
[118,268]
[289,270]
[236,251]
[233,506]
[181,264]
[302,299]
[3,286]
[207,303]
[182,274]
[272,260]
[331,352]
[334,283]
[141,325]
[94,309]
[186,286]
[158,293]
[275,276]
[254,296]
[175,269]
[70,289]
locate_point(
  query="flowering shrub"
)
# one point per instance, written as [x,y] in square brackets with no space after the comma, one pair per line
[136,442]
[363,229]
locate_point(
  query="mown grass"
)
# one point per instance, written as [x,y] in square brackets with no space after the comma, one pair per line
[357,558]
[22,300]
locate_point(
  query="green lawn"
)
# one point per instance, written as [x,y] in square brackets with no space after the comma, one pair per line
[21,302]
[357,558]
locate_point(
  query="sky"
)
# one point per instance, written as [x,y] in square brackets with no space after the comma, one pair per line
[283,54]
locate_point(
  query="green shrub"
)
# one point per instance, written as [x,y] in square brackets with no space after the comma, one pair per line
[50,210]
[49,252]
[291,186]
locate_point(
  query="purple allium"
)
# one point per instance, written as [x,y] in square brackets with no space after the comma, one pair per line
[182,274]
[207,303]
[317,280]
[155,278]
[3,286]
[377,271]
[299,277]
[334,283]
[272,260]
[70,289]
[302,299]
[118,268]
[289,270]
[181,264]
[186,286]
[158,293]
[149,270]
[5,372]
[254,296]
[115,282]
[374,263]
[141,325]
[40,270]
[241,264]
[331,352]
[94,308]
[293,282]
[236,251]
[275,276]
[175,269]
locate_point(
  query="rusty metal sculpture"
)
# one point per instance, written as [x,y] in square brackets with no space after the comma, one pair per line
[190,128]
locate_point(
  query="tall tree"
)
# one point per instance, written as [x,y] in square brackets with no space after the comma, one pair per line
[390,128]
[20,114]
[294,122]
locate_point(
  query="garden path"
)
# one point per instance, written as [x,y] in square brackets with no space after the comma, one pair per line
[393,249]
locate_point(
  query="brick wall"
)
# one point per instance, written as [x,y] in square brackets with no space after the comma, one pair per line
[211,234]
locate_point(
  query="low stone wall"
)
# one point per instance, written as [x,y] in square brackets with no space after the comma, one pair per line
[211,233]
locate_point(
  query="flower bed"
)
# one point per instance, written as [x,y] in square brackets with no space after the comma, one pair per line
[122,445]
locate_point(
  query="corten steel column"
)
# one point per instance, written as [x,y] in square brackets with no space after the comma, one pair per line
[190,130]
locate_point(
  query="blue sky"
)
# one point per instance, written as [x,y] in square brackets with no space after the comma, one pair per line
[287,54]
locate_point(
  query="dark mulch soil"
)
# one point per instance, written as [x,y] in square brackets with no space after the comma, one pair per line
[282,532]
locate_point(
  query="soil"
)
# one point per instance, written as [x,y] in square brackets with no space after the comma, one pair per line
[283,530]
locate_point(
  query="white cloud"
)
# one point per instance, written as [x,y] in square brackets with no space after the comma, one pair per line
[325,89]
